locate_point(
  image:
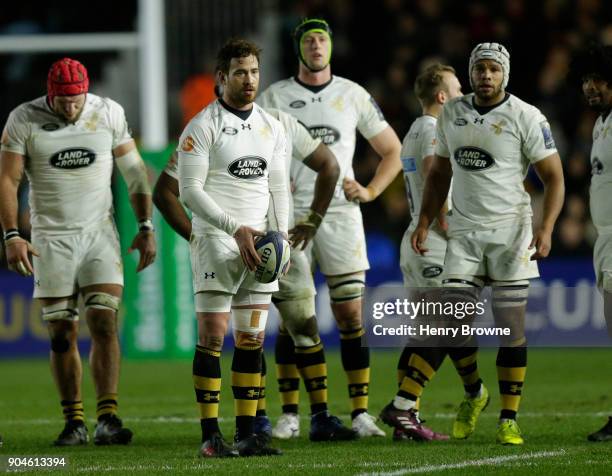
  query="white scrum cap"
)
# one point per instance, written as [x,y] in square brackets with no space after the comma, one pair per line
[493,51]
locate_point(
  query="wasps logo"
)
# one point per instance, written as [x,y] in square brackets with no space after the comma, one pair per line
[497,128]
[188,144]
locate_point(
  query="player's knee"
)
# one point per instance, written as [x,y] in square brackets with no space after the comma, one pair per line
[212,342]
[100,301]
[249,326]
[347,287]
[509,303]
[298,318]
[606,282]
[65,310]
[63,335]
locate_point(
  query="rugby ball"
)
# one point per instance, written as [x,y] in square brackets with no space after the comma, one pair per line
[274,252]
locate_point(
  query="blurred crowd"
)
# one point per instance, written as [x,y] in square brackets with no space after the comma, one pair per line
[383,45]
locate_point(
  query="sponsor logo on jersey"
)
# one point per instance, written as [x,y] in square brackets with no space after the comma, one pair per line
[460,121]
[409,164]
[249,167]
[473,158]
[596,166]
[549,142]
[74,158]
[432,271]
[50,126]
[297,104]
[188,144]
[327,134]
[232,131]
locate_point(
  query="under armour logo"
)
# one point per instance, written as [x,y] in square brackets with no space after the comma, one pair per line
[246,126]
[209,397]
[252,393]
[209,275]
[478,120]
[315,99]
[36,282]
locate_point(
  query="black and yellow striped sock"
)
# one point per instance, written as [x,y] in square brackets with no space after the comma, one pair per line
[511,370]
[73,410]
[313,369]
[423,364]
[402,364]
[207,384]
[246,380]
[261,403]
[356,364]
[465,361]
[106,406]
[287,373]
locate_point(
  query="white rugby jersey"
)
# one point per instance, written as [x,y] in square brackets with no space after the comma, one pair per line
[419,142]
[490,155]
[333,114]
[298,141]
[69,166]
[601,181]
[242,156]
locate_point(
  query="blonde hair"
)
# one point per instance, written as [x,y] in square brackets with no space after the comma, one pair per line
[430,82]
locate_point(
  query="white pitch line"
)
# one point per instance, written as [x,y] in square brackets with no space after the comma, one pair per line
[428,468]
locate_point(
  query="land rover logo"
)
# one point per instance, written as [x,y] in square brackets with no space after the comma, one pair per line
[460,121]
[432,271]
[73,158]
[232,131]
[50,126]
[297,104]
[473,158]
[249,167]
[327,134]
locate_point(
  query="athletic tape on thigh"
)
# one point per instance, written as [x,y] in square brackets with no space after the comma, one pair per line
[510,293]
[213,301]
[98,300]
[251,321]
[347,287]
[606,281]
[462,289]
[62,310]
[297,316]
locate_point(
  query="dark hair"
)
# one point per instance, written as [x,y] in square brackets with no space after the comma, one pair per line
[430,82]
[235,48]
[594,60]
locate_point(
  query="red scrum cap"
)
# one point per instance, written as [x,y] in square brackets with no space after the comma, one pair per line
[67,77]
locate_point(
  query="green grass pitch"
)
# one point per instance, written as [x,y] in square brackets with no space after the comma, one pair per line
[566,396]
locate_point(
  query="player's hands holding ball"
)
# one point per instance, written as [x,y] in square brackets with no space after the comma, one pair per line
[245,238]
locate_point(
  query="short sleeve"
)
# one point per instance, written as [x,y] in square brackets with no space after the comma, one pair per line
[441,144]
[15,134]
[119,125]
[428,144]
[371,120]
[302,143]
[171,168]
[538,142]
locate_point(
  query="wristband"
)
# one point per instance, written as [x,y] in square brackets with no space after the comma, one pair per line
[146,225]
[11,233]
[313,219]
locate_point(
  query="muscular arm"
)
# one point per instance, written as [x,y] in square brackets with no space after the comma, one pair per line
[550,172]
[323,161]
[166,199]
[11,172]
[132,168]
